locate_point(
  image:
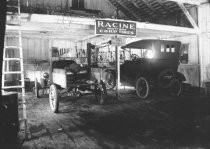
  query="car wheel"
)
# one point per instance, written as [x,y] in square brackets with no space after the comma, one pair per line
[110,80]
[165,78]
[142,88]
[78,95]
[54,98]
[176,88]
[101,93]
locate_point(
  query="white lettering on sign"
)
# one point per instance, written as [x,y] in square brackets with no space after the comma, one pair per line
[115,27]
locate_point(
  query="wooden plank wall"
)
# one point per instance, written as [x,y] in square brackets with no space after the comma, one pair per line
[65,47]
[107,9]
[204,24]
[191,70]
[35,52]
[34,49]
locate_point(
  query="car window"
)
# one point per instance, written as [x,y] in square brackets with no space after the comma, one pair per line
[141,53]
[167,48]
[172,48]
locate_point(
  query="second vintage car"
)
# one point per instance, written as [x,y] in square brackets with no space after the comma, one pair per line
[149,64]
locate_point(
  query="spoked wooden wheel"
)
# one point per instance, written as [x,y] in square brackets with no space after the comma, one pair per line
[142,88]
[110,80]
[54,98]
[101,93]
[176,88]
[165,78]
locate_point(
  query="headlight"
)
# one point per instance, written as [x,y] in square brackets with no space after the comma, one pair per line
[149,54]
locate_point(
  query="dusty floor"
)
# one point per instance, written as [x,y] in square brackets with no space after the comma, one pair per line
[159,122]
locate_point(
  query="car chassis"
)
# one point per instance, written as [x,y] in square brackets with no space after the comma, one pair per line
[73,83]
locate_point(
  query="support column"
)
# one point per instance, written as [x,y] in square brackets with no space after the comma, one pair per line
[117,55]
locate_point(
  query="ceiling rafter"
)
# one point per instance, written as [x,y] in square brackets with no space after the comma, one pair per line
[166,9]
[187,14]
[136,5]
[154,11]
[125,11]
[133,12]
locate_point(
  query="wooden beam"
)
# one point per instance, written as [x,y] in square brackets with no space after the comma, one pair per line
[89,37]
[147,27]
[122,9]
[130,11]
[163,6]
[192,2]
[187,14]
[166,28]
[143,14]
[154,11]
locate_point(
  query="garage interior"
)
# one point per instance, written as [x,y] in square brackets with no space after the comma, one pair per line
[62,29]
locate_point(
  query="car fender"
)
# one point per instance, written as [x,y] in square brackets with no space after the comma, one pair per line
[111,71]
[180,76]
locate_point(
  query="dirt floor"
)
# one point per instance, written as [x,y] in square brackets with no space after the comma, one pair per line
[158,122]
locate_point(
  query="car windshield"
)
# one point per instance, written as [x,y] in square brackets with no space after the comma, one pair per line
[130,53]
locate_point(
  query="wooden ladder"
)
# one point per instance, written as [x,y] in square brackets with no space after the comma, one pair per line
[13,57]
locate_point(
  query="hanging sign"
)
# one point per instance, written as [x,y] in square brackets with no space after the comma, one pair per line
[115,28]
[117,41]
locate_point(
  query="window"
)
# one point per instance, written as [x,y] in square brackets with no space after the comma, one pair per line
[172,48]
[142,53]
[78,4]
[184,53]
[167,48]
[162,48]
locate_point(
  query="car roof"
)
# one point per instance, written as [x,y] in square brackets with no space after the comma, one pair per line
[146,43]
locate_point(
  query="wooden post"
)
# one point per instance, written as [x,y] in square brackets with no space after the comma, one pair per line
[89,58]
[117,71]
[50,58]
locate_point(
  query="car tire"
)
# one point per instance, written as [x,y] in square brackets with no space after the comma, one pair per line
[163,81]
[175,89]
[54,98]
[110,80]
[142,88]
[100,93]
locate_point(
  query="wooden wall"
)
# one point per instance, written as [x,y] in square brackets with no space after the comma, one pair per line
[204,42]
[106,8]
[36,57]
[65,47]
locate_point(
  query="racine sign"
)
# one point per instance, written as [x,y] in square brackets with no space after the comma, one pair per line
[115,27]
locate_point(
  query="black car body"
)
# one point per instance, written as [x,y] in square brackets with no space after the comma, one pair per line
[155,60]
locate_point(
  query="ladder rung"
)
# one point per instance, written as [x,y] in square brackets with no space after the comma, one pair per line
[12,24]
[8,87]
[12,6]
[12,72]
[12,59]
[14,47]
[12,13]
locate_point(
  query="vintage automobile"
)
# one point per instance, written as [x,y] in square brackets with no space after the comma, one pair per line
[72,79]
[150,64]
